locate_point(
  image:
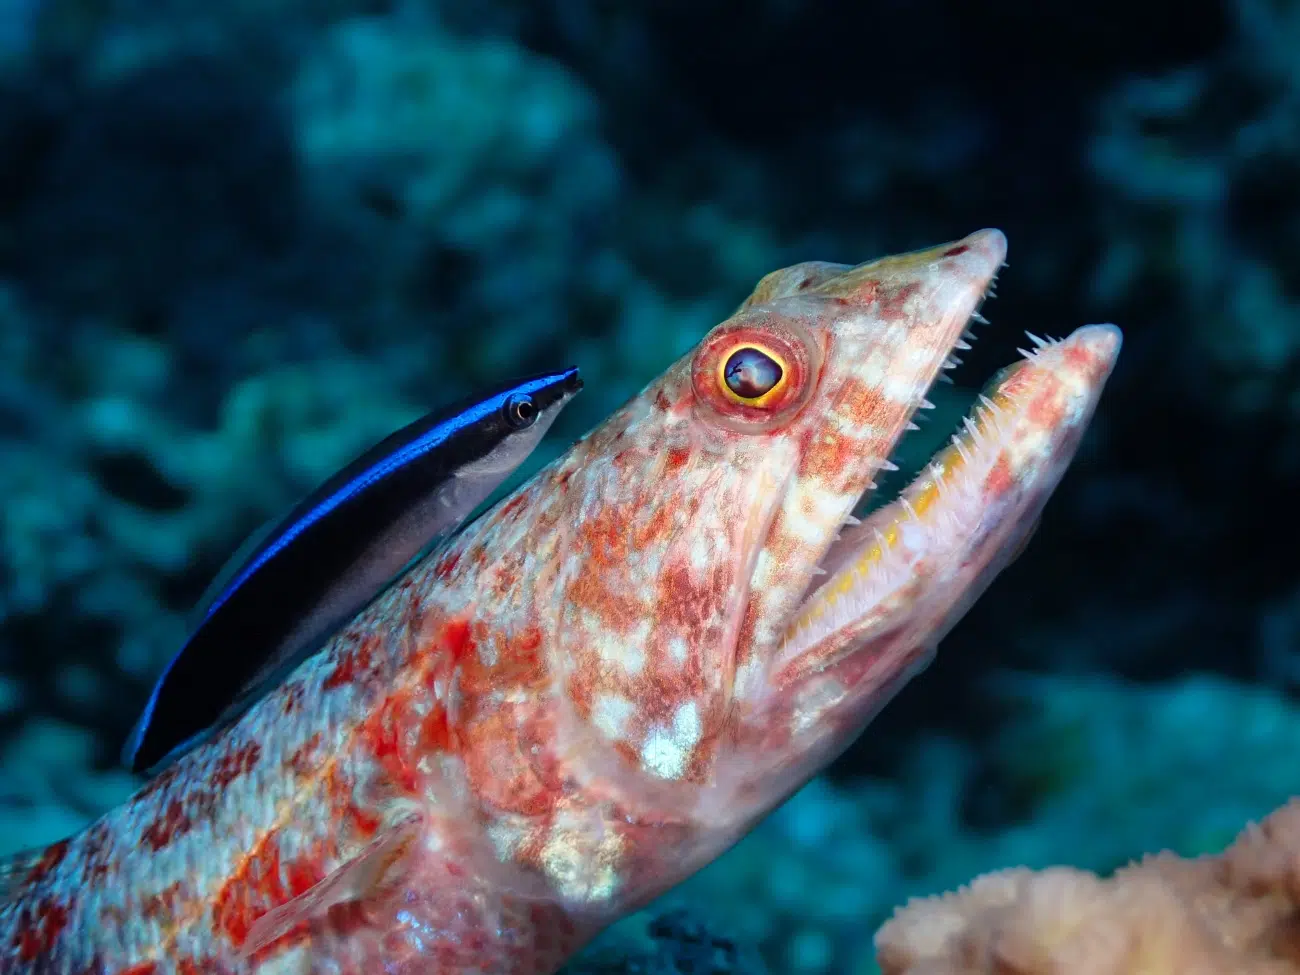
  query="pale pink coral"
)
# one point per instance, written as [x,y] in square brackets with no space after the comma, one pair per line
[1238,912]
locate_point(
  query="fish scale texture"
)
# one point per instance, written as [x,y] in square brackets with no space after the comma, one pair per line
[595,689]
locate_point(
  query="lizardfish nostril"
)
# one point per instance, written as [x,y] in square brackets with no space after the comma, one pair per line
[337,550]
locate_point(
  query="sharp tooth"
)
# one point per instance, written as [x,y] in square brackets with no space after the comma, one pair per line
[977,317]
[1042,343]
[962,344]
[911,426]
[945,378]
[969,336]
[988,402]
[926,405]
[852,521]
[1025,352]
[952,362]
[888,465]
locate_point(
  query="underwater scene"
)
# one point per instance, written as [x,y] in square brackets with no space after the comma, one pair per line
[475,474]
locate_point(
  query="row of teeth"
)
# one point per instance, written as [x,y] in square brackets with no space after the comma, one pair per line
[987,413]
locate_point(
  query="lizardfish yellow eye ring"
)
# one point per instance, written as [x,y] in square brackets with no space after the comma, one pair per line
[753,374]
[756,372]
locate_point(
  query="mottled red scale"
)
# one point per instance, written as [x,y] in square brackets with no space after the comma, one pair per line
[162,905]
[236,762]
[503,767]
[891,301]
[999,479]
[365,822]
[174,821]
[384,735]
[600,594]
[259,884]
[39,927]
[50,859]
[1081,359]
[355,660]
[306,757]
[518,662]
[676,459]
[292,698]
[447,565]
[688,600]
[1045,408]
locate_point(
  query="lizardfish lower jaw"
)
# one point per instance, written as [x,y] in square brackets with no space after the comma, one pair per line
[898,581]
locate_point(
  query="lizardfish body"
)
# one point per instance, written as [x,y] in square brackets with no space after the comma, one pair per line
[603,682]
[334,552]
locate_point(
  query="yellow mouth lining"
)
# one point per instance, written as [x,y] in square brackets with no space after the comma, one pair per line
[913,504]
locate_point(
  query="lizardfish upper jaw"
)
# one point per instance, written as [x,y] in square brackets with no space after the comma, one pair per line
[890,328]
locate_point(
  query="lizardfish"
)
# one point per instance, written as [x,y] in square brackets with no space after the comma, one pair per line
[334,552]
[602,683]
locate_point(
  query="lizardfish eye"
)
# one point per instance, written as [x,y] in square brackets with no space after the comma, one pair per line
[750,373]
[520,411]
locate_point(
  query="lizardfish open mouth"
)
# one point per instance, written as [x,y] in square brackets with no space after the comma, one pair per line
[894,583]
[725,617]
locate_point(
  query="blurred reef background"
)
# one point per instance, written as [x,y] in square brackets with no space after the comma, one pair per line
[242,240]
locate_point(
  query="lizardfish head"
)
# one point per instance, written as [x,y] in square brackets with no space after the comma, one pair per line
[715,623]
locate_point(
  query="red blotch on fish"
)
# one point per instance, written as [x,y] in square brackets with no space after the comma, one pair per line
[998,480]
[38,928]
[447,565]
[293,697]
[175,821]
[50,859]
[355,659]
[236,762]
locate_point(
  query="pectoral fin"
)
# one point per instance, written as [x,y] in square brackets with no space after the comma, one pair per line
[370,876]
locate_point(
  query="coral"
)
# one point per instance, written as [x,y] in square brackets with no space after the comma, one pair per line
[1237,912]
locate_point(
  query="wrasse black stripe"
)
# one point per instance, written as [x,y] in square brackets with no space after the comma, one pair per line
[337,550]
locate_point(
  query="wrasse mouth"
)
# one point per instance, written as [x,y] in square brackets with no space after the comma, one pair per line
[970,508]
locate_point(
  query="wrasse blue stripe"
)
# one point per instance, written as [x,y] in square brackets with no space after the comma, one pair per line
[340,547]
[436,437]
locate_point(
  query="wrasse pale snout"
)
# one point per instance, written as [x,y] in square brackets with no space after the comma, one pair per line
[593,690]
[336,550]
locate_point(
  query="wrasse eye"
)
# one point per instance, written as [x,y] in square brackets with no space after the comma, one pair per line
[753,375]
[520,411]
